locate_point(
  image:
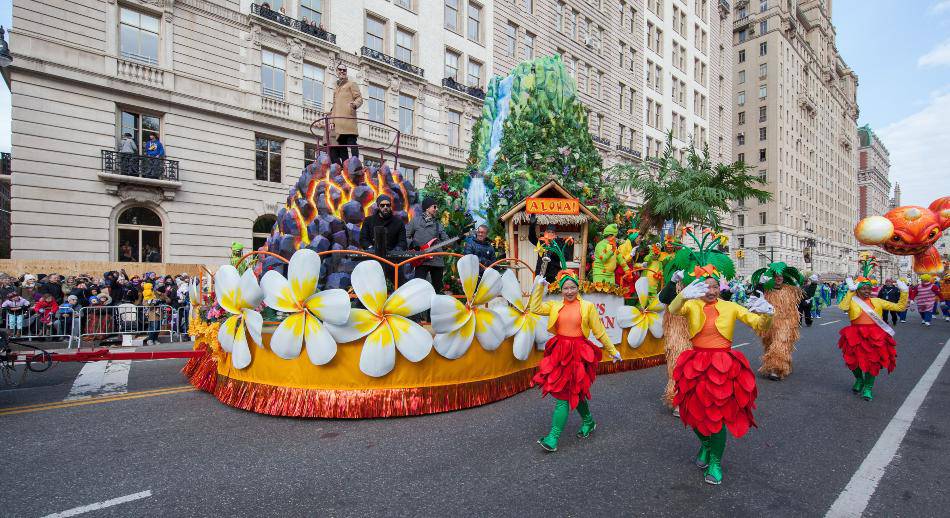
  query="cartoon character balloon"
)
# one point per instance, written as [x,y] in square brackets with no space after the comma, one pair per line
[909,230]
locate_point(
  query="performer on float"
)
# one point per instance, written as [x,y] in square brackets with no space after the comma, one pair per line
[569,366]
[237,251]
[607,258]
[868,345]
[715,387]
[780,283]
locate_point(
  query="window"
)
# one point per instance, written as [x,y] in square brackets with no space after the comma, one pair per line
[375,33]
[762,134]
[740,221]
[763,70]
[742,56]
[740,139]
[138,36]
[404,45]
[763,111]
[763,26]
[763,48]
[528,45]
[452,64]
[762,242]
[263,226]
[310,153]
[377,103]
[633,59]
[743,35]
[139,236]
[407,107]
[559,17]
[741,241]
[740,98]
[528,6]
[454,129]
[763,5]
[474,22]
[452,15]
[272,74]
[762,218]
[313,86]
[762,155]
[741,118]
[140,126]
[511,39]
[407,173]
[268,159]
[312,10]
[740,157]
[474,77]
[405,3]
[763,92]
[573,22]
[741,77]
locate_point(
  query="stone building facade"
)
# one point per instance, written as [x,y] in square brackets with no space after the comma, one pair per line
[231,88]
[874,189]
[796,124]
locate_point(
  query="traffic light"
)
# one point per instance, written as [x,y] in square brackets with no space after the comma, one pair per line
[740,254]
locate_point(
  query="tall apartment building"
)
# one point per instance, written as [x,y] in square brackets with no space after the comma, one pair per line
[231,88]
[642,69]
[874,189]
[796,124]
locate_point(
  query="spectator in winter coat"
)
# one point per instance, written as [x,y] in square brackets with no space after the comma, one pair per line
[15,306]
[65,315]
[46,308]
[128,158]
[6,287]
[52,285]
[480,246]
[926,295]
[28,288]
[890,293]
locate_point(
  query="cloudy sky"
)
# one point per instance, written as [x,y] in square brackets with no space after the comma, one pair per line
[900,50]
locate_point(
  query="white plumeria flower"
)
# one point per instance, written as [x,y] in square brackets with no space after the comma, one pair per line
[524,325]
[649,318]
[308,309]
[384,320]
[194,292]
[239,295]
[456,324]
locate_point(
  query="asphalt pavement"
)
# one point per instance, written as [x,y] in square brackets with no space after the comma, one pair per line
[197,457]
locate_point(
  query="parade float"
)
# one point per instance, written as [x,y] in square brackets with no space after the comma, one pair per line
[316,330]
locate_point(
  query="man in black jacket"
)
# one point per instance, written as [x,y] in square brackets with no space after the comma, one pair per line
[393,227]
[808,292]
[550,236]
[890,293]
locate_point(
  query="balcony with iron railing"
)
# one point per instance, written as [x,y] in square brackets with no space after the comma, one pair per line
[624,150]
[600,140]
[376,55]
[474,91]
[298,25]
[128,168]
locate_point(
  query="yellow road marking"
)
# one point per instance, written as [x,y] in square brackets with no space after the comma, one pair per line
[95,400]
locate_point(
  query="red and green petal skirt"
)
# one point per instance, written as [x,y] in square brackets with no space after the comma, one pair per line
[568,368]
[715,388]
[867,347]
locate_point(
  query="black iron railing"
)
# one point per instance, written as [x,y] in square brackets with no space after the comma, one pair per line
[628,151]
[600,140]
[5,163]
[391,61]
[305,27]
[474,91]
[128,164]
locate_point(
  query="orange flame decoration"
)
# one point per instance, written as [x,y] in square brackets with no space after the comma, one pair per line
[374,178]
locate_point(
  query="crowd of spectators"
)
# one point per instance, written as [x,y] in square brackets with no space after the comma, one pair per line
[50,305]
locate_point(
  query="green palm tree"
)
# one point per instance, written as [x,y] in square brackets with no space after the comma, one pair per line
[695,190]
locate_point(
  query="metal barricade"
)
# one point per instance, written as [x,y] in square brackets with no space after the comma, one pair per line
[27,323]
[127,324]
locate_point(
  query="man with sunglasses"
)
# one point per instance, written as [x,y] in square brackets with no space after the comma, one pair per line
[346,100]
[393,227]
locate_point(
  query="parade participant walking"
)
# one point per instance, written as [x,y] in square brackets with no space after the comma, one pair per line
[675,337]
[808,293]
[346,99]
[926,295]
[569,366]
[890,293]
[780,283]
[868,345]
[715,387]
[945,297]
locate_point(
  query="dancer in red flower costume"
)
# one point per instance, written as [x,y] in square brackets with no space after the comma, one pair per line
[868,345]
[715,387]
[570,360]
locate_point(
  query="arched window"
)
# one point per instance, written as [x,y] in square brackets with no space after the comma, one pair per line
[262,229]
[139,236]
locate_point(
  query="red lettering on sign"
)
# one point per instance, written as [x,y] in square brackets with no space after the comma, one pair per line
[609,322]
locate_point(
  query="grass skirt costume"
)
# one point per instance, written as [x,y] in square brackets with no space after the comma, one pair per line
[778,341]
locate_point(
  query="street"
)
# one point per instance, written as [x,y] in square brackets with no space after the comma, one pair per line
[179,452]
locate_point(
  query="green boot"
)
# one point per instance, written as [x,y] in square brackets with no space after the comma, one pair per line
[868,385]
[702,458]
[717,444]
[588,425]
[859,382]
[558,420]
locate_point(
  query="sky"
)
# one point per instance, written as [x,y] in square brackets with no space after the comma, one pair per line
[900,50]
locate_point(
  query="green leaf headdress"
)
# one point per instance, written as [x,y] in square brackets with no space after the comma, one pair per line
[564,274]
[789,273]
[867,262]
[704,261]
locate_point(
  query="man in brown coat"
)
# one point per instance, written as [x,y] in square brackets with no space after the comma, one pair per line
[346,99]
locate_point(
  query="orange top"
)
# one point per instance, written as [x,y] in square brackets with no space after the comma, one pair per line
[709,337]
[569,319]
[864,318]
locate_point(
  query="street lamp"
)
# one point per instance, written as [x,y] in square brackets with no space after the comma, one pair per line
[5,57]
